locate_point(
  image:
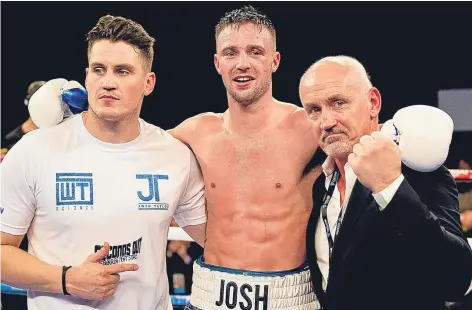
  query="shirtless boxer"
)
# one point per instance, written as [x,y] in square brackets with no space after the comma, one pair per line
[255,158]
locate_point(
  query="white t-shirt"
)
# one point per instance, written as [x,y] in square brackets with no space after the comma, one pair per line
[71,192]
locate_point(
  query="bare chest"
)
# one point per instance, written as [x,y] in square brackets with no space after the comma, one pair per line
[252,167]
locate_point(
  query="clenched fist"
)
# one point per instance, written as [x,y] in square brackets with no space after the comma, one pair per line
[376,161]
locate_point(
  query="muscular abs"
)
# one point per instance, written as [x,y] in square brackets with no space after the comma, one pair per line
[258,199]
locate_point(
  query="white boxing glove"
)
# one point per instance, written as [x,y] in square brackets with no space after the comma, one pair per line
[423,134]
[53,102]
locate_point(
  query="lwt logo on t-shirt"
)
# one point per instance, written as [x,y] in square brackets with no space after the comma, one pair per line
[150,199]
[74,191]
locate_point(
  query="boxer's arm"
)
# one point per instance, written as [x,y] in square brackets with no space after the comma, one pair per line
[191,211]
[197,233]
[184,131]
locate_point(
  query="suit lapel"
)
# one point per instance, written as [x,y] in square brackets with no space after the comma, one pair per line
[359,201]
[318,194]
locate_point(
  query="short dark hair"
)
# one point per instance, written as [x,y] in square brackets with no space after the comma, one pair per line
[244,15]
[117,28]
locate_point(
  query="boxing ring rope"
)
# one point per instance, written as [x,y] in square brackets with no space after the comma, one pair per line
[461,175]
[177,300]
[177,233]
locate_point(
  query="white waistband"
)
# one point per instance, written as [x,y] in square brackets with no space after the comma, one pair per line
[215,289]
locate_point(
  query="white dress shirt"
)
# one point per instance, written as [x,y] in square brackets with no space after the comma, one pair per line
[382,198]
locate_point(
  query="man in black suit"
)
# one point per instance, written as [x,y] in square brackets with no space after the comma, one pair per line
[385,236]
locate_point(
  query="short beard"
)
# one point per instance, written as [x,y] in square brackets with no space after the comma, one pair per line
[252,97]
[338,149]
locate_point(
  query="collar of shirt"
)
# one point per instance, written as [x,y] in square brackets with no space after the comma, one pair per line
[328,169]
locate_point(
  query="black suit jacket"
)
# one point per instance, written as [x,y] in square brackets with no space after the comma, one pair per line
[412,255]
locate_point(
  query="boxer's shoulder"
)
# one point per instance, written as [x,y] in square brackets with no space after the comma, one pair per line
[196,127]
[201,121]
[208,118]
[206,123]
[294,117]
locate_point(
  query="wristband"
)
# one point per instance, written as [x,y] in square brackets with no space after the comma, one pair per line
[64,270]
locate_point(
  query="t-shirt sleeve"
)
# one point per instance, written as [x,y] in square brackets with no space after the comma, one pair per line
[17,200]
[191,209]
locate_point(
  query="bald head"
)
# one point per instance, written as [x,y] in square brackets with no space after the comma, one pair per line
[337,68]
[338,96]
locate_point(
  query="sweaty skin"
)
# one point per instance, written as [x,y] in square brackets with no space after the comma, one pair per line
[258,197]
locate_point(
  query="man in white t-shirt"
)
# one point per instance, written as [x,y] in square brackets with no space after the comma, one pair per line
[98,192]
